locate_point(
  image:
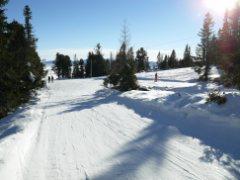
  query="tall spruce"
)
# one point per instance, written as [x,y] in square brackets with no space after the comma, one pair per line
[20,66]
[142,60]
[122,74]
[76,68]
[160,61]
[28,27]
[34,62]
[204,48]
[62,66]
[172,61]
[187,57]
[96,64]
[82,68]
[231,55]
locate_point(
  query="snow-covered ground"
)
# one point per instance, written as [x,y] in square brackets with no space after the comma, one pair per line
[77,129]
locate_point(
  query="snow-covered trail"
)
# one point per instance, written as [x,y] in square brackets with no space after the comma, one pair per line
[92,133]
[89,132]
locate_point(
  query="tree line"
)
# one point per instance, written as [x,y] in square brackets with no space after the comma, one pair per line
[221,49]
[20,66]
[95,65]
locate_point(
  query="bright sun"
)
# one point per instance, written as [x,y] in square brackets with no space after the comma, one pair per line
[220,6]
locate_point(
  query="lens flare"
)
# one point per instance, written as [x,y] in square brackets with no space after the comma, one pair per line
[220,6]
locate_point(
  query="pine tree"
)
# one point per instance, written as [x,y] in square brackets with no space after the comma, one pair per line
[96,64]
[28,26]
[187,57]
[232,68]
[172,62]
[122,74]
[20,66]
[225,35]
[164,64]
[82,69]
[34,62]
[204,50]
[3,60]
[214,51]
[17,83]
[76,68]
[160,61]
[128,80]
[142,60]
[62,66]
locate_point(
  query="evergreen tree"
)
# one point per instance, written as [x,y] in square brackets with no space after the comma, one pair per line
[214,51]
[62,66]
[122,74]
[20,66]
[172,62]
[34,62]
[164,64]
[225,35]
[142,60]
[96,64]
[89,64]
[82,69]
[187,57]
[160,61]
[28,26]
[232,58]
[204,49]
[128,80]
[76,68]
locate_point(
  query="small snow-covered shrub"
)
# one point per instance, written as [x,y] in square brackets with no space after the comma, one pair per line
[216,97]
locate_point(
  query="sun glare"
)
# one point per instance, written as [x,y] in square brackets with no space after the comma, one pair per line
[220,6]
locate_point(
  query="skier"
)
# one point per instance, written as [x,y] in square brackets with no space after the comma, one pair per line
[52,79]
[156,77]
[49,79]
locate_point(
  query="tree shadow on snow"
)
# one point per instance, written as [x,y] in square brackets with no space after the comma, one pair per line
[11,124]
[148,146]
[152,140]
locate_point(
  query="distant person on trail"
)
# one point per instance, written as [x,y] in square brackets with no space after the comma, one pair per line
[49,79]
[156,77]
[52,79]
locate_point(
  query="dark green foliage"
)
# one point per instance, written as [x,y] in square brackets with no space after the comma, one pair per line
[127,78]
[160,60]
[28,26]
[96,64]
[78,69]
[204,50]
[229,47]
[216,97]
[187,60]
[20,66]
[82,69]
[62,66]
[164,64]
[122,76]
[172,61]
[142,60]
[168,62]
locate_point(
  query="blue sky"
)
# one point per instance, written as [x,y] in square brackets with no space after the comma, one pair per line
[76,26]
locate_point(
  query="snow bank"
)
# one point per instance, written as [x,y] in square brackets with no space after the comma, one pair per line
[18,133]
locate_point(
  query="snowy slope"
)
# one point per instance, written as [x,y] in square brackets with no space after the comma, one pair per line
[77,129]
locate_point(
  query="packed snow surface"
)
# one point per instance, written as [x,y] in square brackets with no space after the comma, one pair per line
[77,129]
